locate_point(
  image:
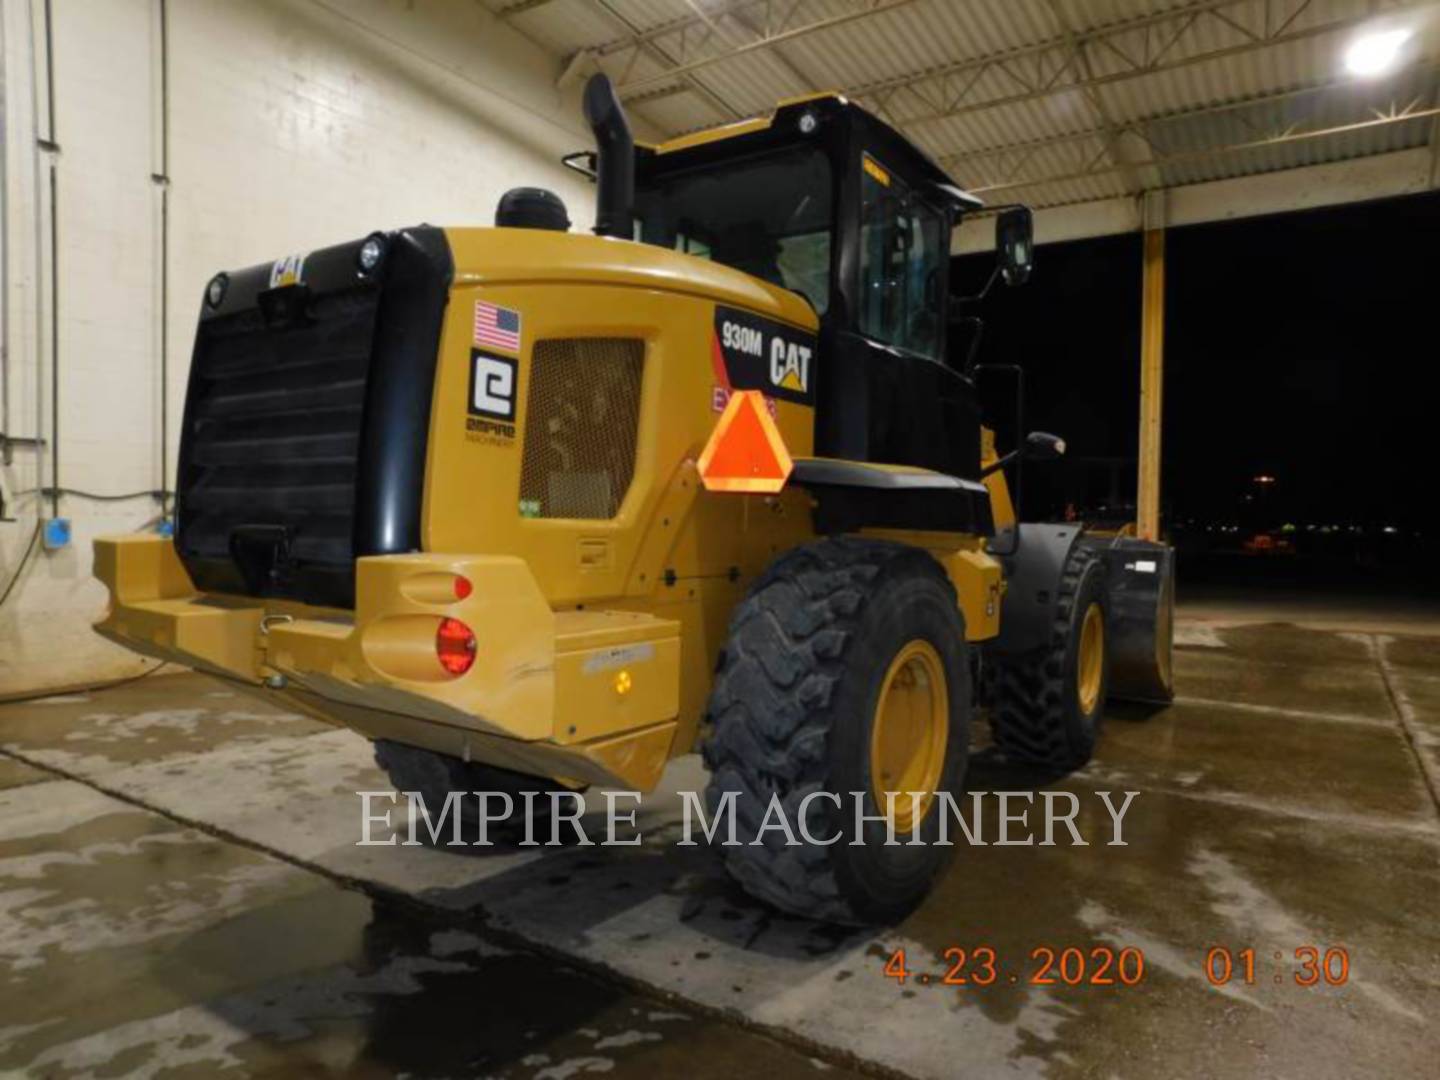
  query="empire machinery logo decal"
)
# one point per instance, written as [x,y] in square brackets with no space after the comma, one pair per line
[494,380]
[820,819]
[755,353]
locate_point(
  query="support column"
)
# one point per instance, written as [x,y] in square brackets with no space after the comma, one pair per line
[1152,372]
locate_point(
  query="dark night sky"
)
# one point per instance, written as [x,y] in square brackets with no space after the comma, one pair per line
[1297,345]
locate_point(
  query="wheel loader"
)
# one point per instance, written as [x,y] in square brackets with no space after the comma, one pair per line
[538,511]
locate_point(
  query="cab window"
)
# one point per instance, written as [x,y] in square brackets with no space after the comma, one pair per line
[902,262]
[768,215]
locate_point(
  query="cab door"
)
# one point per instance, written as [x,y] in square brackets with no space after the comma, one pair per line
[896,401]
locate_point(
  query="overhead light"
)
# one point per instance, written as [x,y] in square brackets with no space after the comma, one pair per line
[1375,53]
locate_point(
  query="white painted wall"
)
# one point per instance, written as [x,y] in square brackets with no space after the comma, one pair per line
[291,124]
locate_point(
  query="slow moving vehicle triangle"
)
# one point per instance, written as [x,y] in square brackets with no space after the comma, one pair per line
[745,452]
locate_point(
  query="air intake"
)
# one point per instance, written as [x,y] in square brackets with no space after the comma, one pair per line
[531,208]
[581,423]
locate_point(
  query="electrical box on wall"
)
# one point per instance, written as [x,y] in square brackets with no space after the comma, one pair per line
[56,533]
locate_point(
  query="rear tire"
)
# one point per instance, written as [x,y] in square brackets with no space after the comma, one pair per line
[434,776]
[795,709]
[1046,710]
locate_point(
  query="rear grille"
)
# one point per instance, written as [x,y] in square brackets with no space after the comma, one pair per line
[303,445]
[274,422]
[581,424]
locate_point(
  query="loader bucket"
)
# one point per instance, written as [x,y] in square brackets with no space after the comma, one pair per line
[1141,616]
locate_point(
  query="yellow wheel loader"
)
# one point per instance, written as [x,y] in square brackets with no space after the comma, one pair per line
[535,510]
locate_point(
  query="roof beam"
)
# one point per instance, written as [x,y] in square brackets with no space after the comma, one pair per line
[770,39]
[740,19]
[1435,152]
[1189,156]
[519,7]
[1435,146]
[1187,16]
[667,61]
[674,26]
[1109,131]
[1141,127]
[1330,183]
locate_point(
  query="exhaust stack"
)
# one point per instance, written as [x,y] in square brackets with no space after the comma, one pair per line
[614,159]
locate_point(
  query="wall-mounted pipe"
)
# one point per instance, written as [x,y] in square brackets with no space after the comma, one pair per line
[4,255]
[52,147]
[54,329]
[162,180]
[39,288]
[49,146]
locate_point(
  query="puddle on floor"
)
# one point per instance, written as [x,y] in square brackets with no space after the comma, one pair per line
[151,719]
[130,945]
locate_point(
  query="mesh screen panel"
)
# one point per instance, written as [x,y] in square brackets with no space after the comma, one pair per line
[581,420]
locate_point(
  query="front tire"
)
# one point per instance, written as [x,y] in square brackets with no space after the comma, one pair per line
[1049,703]
[845,671]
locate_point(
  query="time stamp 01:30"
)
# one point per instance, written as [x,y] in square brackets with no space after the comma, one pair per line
[1101,965]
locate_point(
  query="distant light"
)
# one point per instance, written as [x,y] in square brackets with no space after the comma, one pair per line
[1263,479]
[1390,530]
[1375,53]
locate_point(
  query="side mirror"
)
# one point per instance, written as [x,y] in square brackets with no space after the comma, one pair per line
[1042,446]
[1039,446]
[1015,244]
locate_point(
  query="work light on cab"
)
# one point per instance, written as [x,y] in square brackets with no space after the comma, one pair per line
[215,291]
[455,646]
[372,251]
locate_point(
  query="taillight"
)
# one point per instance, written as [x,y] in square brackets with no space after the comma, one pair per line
[455,645]
[462,587]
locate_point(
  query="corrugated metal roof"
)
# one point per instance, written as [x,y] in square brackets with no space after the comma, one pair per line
[1060,101]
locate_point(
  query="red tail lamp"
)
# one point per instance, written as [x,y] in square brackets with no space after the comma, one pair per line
[463,587]
[455,644]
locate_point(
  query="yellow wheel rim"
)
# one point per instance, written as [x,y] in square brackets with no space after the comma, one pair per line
[1091,661]
[910,731]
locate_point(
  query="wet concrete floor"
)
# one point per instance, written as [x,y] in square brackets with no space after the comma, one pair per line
[181,894]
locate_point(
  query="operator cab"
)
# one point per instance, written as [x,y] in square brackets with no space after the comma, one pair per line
[826,200]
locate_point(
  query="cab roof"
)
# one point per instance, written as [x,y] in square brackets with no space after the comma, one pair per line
[838,119]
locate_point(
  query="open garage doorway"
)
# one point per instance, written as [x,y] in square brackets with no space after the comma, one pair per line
[1297,416]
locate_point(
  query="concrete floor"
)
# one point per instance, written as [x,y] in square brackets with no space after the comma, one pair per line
[180,892]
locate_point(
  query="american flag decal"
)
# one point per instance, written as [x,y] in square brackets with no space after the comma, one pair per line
[497,327]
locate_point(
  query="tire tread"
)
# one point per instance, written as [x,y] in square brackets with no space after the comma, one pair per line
[1027,720]
[769,717]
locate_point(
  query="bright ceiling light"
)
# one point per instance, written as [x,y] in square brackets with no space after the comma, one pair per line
[1375,53]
